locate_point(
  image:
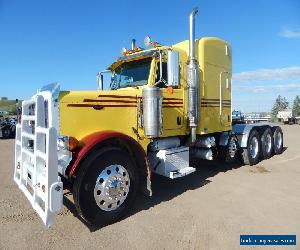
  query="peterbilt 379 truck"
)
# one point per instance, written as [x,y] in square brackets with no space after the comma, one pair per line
[164,105]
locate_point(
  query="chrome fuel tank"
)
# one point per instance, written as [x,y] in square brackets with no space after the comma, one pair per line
[152,111]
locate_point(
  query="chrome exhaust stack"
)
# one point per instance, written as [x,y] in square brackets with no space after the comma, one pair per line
[193,80]
[192,34]
[133,44]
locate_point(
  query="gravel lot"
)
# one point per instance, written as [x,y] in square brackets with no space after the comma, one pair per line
[206,210]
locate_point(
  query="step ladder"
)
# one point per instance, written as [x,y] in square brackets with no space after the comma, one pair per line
[172,162]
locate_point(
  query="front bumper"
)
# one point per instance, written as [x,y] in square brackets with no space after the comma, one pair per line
[37,158]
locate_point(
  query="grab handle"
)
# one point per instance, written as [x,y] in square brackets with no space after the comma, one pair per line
[221,103]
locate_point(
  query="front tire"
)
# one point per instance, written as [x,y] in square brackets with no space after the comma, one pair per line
[106,186]
[251,154]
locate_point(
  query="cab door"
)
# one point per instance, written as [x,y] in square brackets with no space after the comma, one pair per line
[173,104]
[225,98]
[172,109]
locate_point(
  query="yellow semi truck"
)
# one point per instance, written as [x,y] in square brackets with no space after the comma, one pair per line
[165,105]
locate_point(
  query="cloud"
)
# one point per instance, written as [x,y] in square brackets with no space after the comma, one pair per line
[256,90]
[290,33]
[289,73]
[292,87]
[268,80]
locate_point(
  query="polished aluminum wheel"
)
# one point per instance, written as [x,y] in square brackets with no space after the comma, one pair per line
[112,187]
[253,147]
[278,140]
[268,143]
[232,147]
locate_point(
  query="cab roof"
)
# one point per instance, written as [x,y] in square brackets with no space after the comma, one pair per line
[142,54]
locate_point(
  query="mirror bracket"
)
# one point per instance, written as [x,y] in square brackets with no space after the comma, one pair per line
[100,78]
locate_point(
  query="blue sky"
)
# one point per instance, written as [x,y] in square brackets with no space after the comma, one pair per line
[70,41]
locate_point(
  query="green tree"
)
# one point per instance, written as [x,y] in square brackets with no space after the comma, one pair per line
[280,104]
[12,109]
[296,106]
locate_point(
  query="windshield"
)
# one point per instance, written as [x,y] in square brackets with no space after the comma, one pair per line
[131,74]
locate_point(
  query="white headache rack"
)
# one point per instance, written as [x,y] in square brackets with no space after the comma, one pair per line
[36,159]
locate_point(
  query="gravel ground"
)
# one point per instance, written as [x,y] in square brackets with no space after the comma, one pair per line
[208,209]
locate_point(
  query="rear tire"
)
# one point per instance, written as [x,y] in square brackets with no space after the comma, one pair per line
[229,153]
[6,133]
[13,132]
[277,140]
[251,154]
[267,143]
[106,186]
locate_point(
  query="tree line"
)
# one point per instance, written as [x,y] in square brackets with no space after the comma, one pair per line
[281,103]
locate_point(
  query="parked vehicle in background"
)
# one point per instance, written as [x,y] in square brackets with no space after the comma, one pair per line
[7,128]
[3,113]
[12,121]
[237,117]
[286,116]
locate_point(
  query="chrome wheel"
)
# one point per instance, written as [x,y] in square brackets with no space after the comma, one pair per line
[253,147]
[232,147]
[278,140]
[111,187]
[268,143]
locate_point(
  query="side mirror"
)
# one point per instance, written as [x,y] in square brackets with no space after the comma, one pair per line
[173,68]
[100,80]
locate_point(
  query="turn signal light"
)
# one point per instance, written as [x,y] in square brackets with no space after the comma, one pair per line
[170,90]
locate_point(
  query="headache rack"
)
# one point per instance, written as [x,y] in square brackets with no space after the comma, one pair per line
[36,157]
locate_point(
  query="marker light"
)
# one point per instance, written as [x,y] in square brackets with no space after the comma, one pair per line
[73,143]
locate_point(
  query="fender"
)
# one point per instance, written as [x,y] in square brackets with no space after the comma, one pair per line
[243,131]
[90,141]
